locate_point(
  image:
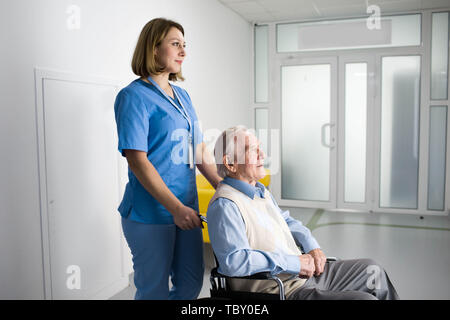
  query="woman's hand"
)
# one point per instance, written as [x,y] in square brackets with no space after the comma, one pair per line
[186,218]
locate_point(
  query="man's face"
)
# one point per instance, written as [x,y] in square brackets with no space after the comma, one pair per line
[253,169]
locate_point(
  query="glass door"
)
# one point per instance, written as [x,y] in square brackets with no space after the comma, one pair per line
[326,125]
[363,129]
[350,132]
[308,99]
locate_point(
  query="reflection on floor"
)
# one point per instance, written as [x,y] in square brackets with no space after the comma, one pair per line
[414,250]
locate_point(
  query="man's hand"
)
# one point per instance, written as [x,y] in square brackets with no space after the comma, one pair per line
[306,266]
[319,260]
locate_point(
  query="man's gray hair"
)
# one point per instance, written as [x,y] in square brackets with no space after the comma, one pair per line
[232,144]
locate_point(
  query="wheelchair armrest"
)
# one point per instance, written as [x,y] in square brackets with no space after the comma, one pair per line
[331,259]
[256,276]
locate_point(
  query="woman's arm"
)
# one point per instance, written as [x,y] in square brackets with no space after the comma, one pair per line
[207,165]
[183,216]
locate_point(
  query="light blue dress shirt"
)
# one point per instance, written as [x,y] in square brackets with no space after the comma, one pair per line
[230,244]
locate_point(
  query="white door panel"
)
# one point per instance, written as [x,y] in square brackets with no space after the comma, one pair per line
[79,189]
[308,132]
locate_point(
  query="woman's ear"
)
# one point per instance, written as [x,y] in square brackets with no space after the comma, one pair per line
[155,51]
[229,164]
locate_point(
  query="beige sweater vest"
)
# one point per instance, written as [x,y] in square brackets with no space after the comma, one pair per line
[266,230]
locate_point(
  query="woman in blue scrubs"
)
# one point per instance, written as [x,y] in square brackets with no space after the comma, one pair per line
[160,137]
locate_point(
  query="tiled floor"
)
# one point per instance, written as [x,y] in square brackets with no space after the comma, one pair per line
[415,252]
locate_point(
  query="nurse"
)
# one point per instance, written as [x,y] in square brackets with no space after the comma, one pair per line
[160,137]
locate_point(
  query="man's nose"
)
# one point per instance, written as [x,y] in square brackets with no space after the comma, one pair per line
[261,154]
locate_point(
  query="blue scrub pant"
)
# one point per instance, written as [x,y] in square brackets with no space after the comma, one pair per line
[163,250]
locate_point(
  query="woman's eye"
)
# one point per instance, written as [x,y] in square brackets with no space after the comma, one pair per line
[177,44]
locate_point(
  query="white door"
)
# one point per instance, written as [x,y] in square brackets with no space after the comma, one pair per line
[79,175]
[326,124]
[307,122]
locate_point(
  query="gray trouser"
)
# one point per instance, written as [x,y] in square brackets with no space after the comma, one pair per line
[360,279]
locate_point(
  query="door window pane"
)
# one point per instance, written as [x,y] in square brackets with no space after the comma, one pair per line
[439,56]
[305,109]
[261,64]
[436,160]
[399,166]
[393,31]
[355,131]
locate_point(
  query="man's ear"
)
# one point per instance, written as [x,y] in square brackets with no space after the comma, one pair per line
[228,164]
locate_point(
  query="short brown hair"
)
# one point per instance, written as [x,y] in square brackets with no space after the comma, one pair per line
[144,62]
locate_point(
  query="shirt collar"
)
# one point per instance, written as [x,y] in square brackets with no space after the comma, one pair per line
[245,187]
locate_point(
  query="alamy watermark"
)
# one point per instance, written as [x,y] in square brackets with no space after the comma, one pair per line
[373,22]
[73,281]
[73,21]
[180,150]
[374,280]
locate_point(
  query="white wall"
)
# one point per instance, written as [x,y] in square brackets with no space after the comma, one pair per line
[34,34]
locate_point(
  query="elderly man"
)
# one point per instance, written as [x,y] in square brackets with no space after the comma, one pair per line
[249,233]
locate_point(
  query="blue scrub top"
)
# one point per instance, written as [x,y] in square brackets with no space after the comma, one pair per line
[147,121]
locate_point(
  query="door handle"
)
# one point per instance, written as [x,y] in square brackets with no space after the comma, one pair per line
[324,126]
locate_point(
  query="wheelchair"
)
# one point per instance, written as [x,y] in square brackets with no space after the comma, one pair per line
[221,290]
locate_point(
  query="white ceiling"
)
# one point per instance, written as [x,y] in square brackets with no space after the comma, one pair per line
[283,10]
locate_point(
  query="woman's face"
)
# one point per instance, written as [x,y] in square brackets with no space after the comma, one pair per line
[171,52]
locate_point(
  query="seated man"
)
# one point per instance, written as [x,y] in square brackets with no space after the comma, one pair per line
[249,233]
